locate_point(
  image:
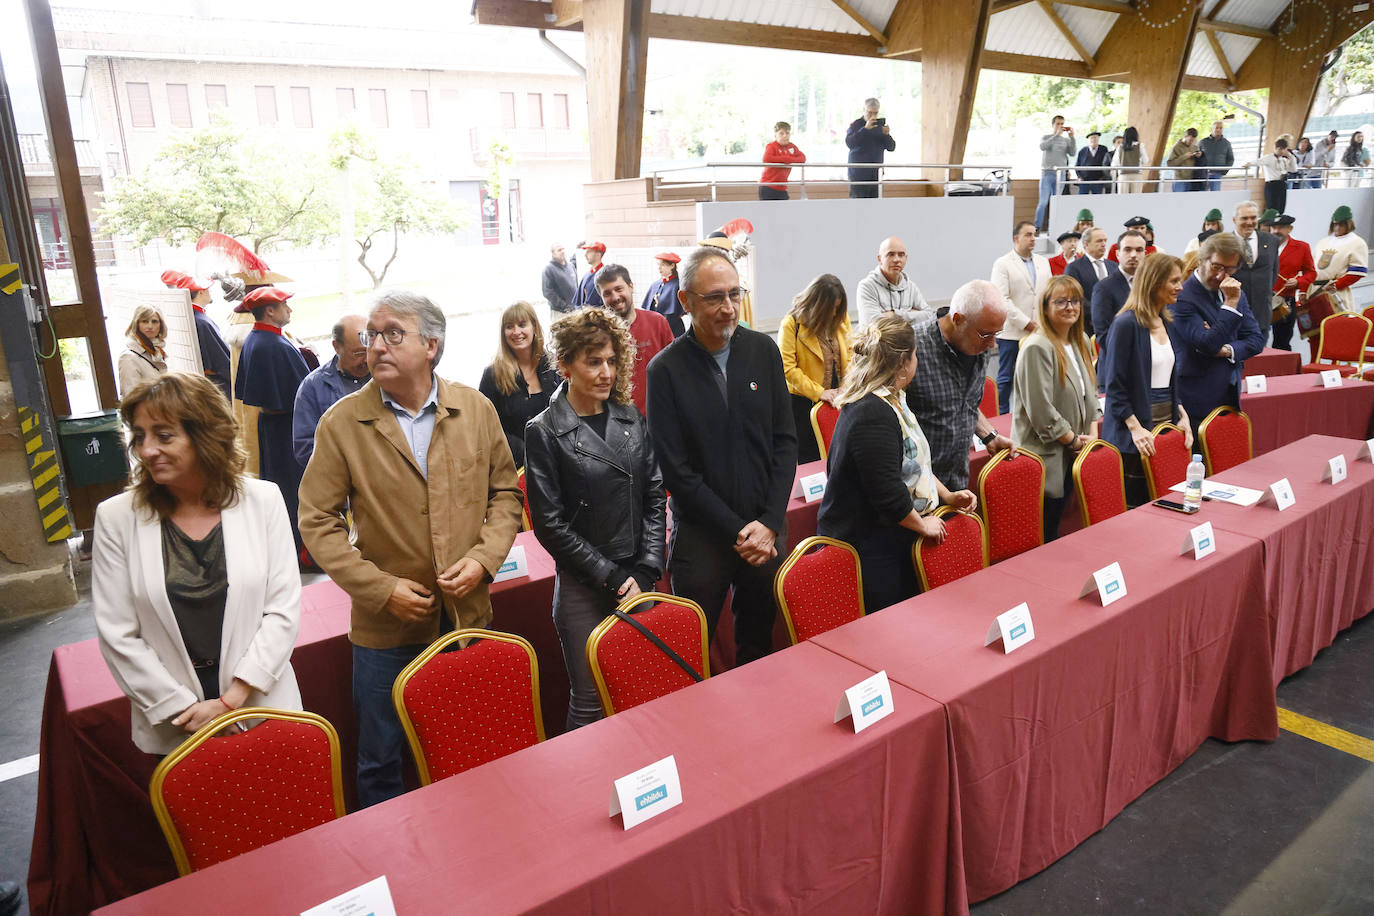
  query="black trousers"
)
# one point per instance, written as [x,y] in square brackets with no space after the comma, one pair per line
[767,193]
[889,571]
[808,449]
[1283,330]
[704,567]
[1276,194]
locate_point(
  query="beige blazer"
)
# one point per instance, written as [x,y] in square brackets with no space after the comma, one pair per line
[1010,277]
[138,633]
[1043,410]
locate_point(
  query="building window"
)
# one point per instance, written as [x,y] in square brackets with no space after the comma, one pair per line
[419,108]
[376,100]
[508,109]
[560,111]
[300,106]
[179,104]
[267,105]
[140,104]
[536,107]
[216,96]
[346,102]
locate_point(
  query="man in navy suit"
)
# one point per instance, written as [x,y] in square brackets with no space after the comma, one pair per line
[1110,294]
[1091,267]
[1217,331]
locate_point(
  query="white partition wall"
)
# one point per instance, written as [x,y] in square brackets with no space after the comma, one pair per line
[1177,217]
[950,240]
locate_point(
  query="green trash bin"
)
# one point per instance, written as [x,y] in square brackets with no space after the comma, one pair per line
[93,448]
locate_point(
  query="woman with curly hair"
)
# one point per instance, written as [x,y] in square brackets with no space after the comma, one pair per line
[145,357]
[595,493]
[194,583]
[520,379]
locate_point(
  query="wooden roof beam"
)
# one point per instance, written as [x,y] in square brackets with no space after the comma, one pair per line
[567,13]
[1069,36]
[859,17]
[1221,58]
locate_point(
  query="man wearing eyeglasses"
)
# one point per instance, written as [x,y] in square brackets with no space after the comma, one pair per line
[1217,327]
[424,467]
[721,419]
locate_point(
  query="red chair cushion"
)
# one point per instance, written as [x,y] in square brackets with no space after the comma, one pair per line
[637,671]
[238,792]
[1169,464]
[1227,438]
[988,406]
[960,554]
[471,706]
[821,590]
[1318,368]
[1101,489]
[826,418]
[1011,497]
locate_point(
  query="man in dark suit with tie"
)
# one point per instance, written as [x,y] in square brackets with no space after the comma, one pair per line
[1259,265]
[1110,295]
[1091,267]
[1217,330]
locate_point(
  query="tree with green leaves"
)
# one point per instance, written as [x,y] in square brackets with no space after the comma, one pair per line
[1351,77]
[222,179]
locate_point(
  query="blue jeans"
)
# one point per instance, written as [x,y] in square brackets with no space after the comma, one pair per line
[1006,369]
[380,736]
[1214,180]
[1048,182]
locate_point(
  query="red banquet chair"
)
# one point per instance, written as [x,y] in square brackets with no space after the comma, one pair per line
[1170,462]
[1099,481]
[219,797]
[1226,439]
[819,586]
[1011,490]
[988,406]
[525,524]
[1369,351]
[466,707]
[1341,342]
[629,669]
[963,551]
[823,420]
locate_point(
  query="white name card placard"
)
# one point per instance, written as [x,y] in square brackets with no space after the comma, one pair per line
[1366,452]
[1280,494]
[1330,378]
[646,793]
[370,899]
[811,487]
[1014,628]
[1225,492]
[514,566]
[1107,582]
[1254,384]
[1335,469]
[1201,541]
[866,702]
[978,445]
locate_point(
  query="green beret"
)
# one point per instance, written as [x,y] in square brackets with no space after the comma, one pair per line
[1213,216]
[1342,214]
[1085,214]
[1268,216]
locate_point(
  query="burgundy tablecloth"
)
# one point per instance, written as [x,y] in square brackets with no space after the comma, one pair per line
[1295,406]
[783,811]
[1053,740]
[1271,361]
[1318,554]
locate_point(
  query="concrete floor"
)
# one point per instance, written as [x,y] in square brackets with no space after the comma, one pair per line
[1244,829]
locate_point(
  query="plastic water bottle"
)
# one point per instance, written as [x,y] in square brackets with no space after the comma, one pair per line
[1192,491]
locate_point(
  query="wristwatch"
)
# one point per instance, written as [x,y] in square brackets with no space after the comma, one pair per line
[987,440]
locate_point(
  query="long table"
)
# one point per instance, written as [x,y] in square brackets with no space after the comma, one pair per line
[1296,406]
[1052,740]
[1272,361]
[783,811]
[1319,555]
[95,838]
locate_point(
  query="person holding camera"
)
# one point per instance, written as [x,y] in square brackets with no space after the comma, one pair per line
[1055,149]
[867,138]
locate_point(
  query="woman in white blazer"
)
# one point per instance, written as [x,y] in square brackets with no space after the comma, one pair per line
[194,579]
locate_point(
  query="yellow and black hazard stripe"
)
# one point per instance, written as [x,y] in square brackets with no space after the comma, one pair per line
[9,279]
[46,475]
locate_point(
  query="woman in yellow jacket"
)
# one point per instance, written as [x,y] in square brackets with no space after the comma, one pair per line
[814,339]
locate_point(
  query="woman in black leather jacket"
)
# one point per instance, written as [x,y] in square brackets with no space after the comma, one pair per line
[595,493]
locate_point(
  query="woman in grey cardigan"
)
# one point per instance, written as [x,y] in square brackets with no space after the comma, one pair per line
[1054,399]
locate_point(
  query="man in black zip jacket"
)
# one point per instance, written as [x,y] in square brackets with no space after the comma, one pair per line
[722,426]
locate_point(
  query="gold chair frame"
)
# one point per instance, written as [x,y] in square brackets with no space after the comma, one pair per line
[1078,462]
[945,512]
[627,606]
[1222,411]
[797,553]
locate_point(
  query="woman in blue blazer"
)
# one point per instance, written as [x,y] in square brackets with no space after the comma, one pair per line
[1139,354]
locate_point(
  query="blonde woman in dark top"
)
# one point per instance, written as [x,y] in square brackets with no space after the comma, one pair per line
[521,378]
[194,583]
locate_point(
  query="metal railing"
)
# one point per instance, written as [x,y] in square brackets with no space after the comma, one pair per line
[992,180]
[1182,178]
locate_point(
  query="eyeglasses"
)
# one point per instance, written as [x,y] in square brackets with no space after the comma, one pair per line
[392,336]
[1214,267]
[983,336]
[716,300]
[1066,303]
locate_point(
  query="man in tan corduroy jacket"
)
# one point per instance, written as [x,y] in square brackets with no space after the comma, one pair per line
[424,467]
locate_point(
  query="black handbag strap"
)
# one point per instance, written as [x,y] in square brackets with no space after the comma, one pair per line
[663,646]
